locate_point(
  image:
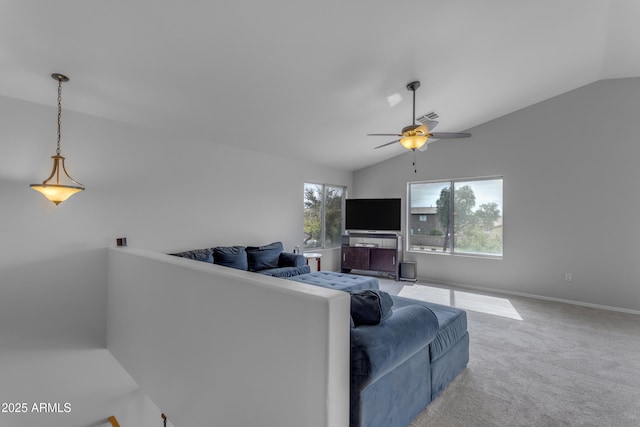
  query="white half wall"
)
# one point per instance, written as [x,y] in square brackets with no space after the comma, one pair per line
[571,179]
[216,346]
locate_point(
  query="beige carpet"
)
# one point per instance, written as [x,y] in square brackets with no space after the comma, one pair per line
[537,363]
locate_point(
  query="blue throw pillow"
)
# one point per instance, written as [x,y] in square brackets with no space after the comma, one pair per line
[231,256]
[287,259]
[204,255]
[264,257]
[370,307]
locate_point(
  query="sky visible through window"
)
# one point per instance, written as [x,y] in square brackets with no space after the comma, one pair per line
[426,194]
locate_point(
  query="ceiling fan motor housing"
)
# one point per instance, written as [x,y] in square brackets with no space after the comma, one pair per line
[410,128]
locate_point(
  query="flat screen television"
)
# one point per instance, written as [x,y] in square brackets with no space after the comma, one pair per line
[373,214]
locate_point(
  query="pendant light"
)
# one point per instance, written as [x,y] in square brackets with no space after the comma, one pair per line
[59,186]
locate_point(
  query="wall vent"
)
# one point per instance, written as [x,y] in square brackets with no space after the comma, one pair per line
[431,115]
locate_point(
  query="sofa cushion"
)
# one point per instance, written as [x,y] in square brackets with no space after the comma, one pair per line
[377,349]
[452,324]
[286,272]
[338,281]
[204,255]
[370,307]
[287,259]
[264,257]
[231,256]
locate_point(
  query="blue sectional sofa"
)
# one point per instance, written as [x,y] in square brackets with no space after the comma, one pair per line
[404,352]
[270,260]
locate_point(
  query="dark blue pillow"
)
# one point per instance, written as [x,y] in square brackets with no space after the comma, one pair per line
[204,255]
[231,256]
[263,257]
[287,259]
[370,307]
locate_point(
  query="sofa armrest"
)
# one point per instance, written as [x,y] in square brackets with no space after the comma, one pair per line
[377,349]
[287,259]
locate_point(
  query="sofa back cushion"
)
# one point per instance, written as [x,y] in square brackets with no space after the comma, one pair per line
[231,256]
[288,259]
[370,307]
[263,257]
[204,255]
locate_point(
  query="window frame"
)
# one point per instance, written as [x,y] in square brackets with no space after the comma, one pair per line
[451,251]
[323,215]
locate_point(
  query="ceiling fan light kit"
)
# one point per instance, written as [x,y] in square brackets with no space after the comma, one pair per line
[413,142]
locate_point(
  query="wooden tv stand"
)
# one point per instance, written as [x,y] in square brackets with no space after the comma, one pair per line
[375,252]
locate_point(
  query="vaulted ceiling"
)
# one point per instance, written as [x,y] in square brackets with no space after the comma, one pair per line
[309,79]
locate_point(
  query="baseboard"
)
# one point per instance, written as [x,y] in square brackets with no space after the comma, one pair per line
[526,295]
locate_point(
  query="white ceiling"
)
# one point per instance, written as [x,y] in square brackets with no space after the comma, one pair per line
[309,79]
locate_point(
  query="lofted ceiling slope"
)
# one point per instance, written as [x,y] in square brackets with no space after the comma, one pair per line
[309,79]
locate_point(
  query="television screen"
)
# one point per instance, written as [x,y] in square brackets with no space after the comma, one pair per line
[373,214]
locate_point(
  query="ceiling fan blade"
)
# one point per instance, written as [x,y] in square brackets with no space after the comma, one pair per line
[449,135]
[431,124]
[383,134]
[388,143]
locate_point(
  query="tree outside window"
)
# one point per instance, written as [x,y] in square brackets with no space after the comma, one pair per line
[468,223]
[323,214]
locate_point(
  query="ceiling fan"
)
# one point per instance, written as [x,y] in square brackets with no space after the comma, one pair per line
[415,136]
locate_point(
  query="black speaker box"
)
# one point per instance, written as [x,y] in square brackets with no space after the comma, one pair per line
[408,271]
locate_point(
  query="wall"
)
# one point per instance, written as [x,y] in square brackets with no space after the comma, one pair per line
[217,346]
[163,192]
[570,196]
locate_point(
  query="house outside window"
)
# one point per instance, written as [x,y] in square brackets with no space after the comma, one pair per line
[463,216]
[323,215]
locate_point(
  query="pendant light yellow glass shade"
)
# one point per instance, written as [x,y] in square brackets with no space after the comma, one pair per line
[413,142]
[58,187]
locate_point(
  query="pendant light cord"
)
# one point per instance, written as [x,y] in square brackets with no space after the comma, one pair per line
[415,168]
[59,112]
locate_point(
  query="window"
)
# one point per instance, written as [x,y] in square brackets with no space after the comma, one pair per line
[323,207]
[468,223]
